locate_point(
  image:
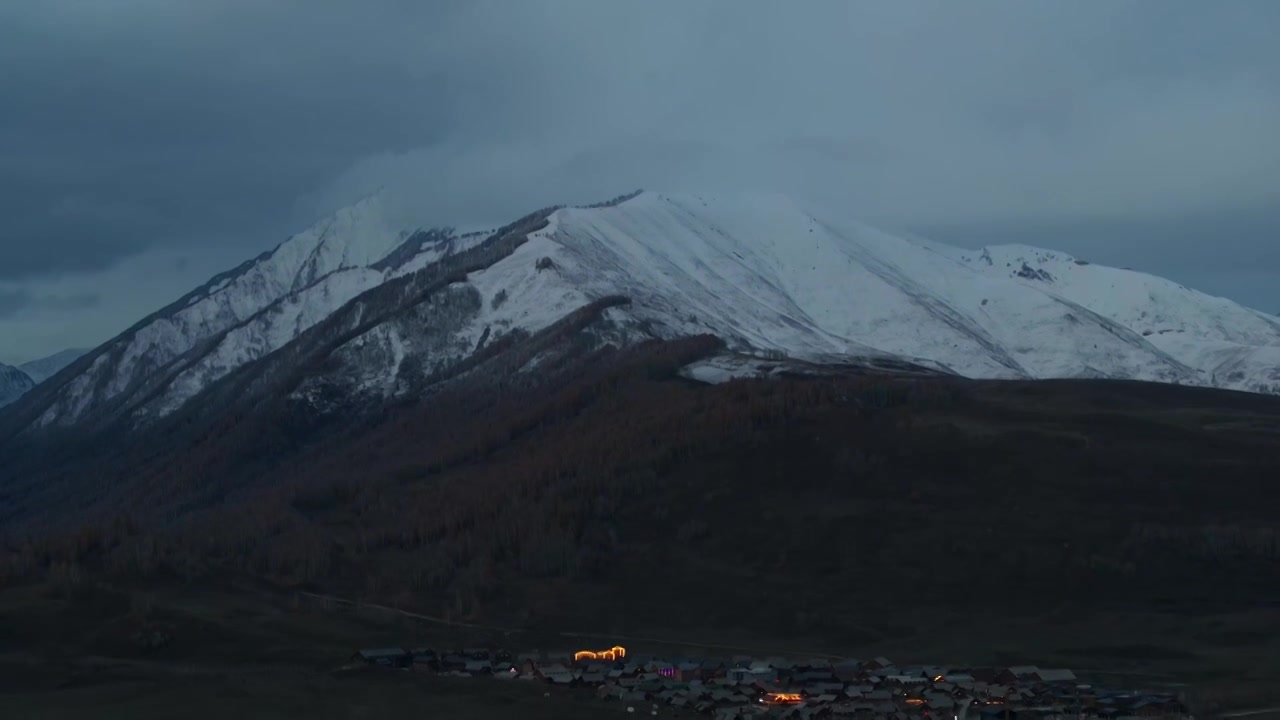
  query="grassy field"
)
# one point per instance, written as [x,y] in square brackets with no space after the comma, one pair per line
[71,652]
[72,655]
[300,695]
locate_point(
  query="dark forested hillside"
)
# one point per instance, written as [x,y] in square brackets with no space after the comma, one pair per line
[606,483]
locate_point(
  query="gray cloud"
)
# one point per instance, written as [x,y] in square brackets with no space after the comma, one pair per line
[144,126]
[13,302]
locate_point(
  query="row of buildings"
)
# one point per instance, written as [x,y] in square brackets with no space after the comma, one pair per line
[741,687]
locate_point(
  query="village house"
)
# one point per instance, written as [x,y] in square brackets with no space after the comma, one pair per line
[425,660]
[555,672]
[740,675]
[385,657]
[824,688]
[847,670]
[939,702]
[453,662]
[660,669]
[857,691]
[712,669]
[688,671]
[877,663]
[1017,673]
[527,663]
[905,681]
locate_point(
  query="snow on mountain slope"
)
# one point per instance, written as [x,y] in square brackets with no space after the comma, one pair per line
[269,330]
[762,273]
[765,276]
[45,368]
[386,312]
[14,383]
[510,293]
[321,264]
[281,322]
[1227,344]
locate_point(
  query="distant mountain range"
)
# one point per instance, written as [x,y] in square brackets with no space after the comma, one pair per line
[45,368]
[16,381]
[358,309]
[13,384]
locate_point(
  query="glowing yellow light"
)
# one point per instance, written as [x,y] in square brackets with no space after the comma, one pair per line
[915,701]
[938,679]
[784,698]
[613,654]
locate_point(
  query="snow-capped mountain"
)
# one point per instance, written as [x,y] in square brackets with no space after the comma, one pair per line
[13,384]
[356,307]
[239,315]
[771,279]
[1229,346]
[45,368]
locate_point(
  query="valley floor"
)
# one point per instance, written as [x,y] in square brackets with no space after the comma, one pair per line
[82,652]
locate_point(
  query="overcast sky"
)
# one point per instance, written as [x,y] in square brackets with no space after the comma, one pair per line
[147,144]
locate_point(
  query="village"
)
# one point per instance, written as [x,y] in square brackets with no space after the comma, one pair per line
[774,687]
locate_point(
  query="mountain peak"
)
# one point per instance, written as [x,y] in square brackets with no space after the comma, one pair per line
[383,311]
[14,383]
[354,236]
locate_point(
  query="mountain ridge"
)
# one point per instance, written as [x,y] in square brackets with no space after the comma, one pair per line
[760,272]
[103,379]
[42,369]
